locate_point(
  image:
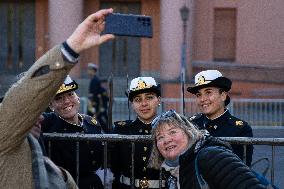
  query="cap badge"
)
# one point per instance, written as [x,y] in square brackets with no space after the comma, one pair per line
[201,80]
[66,88]
[141,85]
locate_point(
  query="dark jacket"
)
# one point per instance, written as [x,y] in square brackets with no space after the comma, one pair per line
[220,168]
[63,153]
[121,158]
[98,102]
[227,126]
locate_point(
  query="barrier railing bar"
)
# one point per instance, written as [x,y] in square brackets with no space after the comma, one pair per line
[272,164]
[105,138]
[132,165]
[105,163]
[245,154]
[77,162]
[148,139]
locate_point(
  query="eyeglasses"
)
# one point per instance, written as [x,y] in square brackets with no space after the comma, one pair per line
[165,115]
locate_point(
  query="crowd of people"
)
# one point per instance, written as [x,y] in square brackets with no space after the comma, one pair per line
[181,146]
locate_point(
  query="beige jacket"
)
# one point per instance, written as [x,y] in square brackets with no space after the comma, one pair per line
[21,107]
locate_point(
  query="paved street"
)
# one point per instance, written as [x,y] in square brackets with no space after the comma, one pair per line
[265,151]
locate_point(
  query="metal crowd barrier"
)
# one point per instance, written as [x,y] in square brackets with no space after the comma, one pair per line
[109,138]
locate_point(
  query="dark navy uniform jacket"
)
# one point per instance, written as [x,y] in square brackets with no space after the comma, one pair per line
[121,156]
[63,153]
[227,126]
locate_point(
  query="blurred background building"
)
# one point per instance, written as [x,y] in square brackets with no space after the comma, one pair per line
[243,39]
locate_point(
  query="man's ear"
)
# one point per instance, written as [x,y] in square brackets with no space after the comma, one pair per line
[224,95]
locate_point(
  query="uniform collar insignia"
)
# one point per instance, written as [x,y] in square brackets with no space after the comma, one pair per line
[239,123]
[94,121]
[121,123]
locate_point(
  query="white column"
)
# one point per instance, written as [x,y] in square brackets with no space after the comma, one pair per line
[64,16]
[172,36]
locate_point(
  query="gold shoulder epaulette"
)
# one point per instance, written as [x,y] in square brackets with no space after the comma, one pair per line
[239,123]
[94,121]
[121,123]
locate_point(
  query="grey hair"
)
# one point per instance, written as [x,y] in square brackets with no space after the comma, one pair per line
[179,121]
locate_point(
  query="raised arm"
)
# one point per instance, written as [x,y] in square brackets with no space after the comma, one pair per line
[30,96]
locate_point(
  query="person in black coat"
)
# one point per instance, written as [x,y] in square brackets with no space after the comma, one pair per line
[176,145]
[98,97]
[144,94]
[65,118]
[211,91]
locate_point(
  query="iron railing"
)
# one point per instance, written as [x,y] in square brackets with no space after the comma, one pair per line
[109,138]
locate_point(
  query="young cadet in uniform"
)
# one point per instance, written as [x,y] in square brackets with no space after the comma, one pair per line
[211,91]
[65,118]
[144,94]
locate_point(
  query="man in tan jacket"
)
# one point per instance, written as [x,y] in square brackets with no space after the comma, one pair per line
[21,162]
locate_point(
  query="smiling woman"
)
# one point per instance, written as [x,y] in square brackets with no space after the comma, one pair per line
[65,118]
[177,142]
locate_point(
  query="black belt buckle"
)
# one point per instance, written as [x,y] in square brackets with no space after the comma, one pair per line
[143,183]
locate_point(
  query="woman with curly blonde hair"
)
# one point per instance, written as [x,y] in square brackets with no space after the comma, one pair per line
[194,159]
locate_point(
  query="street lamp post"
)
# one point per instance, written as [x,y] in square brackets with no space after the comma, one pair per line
[184,12]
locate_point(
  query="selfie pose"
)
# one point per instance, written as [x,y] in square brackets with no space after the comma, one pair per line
[177,143]
[22,164]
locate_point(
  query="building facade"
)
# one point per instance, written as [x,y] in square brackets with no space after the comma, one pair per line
[243,39]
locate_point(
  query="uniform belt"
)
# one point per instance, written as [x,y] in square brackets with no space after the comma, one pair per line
[141,183]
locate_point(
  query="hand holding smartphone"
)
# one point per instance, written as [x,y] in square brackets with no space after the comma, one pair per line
[128,25]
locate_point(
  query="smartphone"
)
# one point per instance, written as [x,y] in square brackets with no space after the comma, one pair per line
[128,25]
